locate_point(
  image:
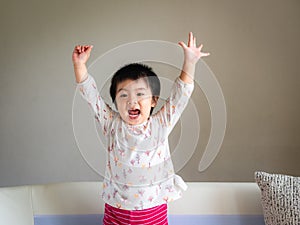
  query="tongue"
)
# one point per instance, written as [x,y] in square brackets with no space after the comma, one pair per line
[134,112]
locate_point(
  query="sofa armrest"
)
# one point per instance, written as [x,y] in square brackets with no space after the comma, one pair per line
[16,206]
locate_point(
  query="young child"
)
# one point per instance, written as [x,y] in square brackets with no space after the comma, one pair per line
[139,179]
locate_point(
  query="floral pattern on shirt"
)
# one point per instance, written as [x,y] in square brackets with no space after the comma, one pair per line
[139,171]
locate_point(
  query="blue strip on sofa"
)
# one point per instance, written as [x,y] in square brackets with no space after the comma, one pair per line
[173,220]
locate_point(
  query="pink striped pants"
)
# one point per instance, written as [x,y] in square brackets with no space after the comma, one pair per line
[152,216]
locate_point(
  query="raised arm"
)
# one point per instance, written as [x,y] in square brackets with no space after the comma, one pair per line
[192,54]
[80,56]
[88,88]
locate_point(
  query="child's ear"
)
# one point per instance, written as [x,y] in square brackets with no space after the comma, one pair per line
[154,101]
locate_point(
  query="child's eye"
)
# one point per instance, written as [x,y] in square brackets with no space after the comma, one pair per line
[123,95]
[140,94]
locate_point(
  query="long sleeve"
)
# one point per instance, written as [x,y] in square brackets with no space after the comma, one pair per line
[171,111]
[103,113]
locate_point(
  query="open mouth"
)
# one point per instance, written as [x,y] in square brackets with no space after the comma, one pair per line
[134,113]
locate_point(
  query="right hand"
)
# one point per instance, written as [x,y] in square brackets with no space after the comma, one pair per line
[81,54]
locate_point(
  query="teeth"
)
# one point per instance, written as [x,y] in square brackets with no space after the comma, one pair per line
[134,113]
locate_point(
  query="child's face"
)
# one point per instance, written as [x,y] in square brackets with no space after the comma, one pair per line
[134,101]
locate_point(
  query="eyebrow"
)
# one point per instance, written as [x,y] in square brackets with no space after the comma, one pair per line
[137,89]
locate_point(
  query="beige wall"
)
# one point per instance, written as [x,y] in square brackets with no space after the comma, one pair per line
[255,57]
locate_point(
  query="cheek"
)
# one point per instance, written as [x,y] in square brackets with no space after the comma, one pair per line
[120,104]
[146,103]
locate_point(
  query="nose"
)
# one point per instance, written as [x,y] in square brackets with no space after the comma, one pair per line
[132,101]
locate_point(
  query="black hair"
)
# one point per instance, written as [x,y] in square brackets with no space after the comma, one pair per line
[135,71]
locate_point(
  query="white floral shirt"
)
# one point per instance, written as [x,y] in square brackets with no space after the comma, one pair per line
[139,171]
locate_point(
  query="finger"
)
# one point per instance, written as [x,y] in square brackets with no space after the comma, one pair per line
[89,48]
[182,44]
[205,54]
[190,39]
[194,45]
[76,47]
[200,47]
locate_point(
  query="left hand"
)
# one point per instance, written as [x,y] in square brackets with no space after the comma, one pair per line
[192,53]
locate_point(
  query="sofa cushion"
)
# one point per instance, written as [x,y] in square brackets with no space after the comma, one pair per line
[280,198]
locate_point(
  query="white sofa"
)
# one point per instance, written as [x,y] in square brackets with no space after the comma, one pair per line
[66,203]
